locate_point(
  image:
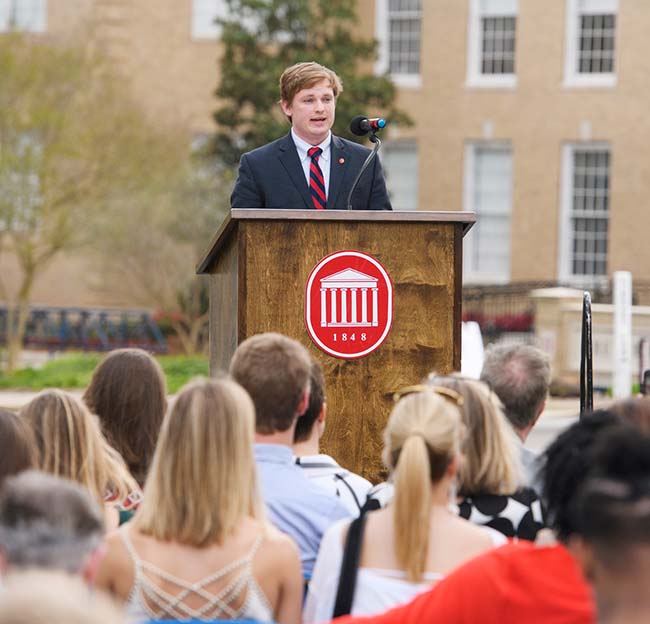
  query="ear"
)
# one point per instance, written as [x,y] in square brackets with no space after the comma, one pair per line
[3,563]
[584,555]
[320,420]
[286,107]
[454,465]
[303,405]
[91,566]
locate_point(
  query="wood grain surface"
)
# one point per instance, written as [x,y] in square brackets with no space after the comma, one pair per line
[273,260]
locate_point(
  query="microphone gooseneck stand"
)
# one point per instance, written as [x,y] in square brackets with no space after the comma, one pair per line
[374,139]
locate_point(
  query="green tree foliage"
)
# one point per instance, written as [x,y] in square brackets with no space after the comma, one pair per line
[83,171]
[261,39]
[60,135]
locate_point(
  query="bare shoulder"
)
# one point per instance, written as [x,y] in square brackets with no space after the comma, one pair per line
[478,536]
[115,572]
[277,543]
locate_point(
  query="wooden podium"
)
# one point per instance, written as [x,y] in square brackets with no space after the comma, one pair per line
[259,263]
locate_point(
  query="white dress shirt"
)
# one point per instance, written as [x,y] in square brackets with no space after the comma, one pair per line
[323,162]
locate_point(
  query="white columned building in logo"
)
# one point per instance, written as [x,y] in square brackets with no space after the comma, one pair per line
[353,300]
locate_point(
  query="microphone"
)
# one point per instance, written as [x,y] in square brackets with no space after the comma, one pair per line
[361,125]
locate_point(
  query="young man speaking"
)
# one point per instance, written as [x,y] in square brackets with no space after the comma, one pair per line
[309,168]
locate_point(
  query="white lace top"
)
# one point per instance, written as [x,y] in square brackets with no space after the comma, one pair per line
[149,601]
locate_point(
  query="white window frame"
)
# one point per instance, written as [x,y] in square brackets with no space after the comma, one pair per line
[474,39]
[38,25]
[382,34]
[207,30]
[565,272]
[469,185]
[572,77]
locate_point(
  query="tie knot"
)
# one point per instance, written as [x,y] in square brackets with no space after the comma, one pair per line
[314,152]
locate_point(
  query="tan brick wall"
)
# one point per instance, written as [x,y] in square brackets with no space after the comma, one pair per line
[537,117]
[174,77]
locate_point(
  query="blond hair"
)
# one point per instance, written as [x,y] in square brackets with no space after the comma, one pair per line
[71,445]
[422,437]
[491,458]
[304,76]
[202,480]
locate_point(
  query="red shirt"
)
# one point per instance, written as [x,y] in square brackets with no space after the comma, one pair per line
[519,582]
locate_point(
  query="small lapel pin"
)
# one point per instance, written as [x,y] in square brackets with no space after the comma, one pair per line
[341,161]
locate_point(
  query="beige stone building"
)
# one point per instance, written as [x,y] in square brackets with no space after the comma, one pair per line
[531,113]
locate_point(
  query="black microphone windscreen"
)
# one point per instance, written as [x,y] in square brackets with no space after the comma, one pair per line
[356,125]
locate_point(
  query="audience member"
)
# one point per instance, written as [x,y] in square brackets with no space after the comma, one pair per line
[491,476]
[520,375]
[634,411]
[71,444]
[418,539]
[18,445]
[322,469]
[522,582]
[128,393]
[38,597]
[201,518]
[613,519]
[275,371]
[49,523]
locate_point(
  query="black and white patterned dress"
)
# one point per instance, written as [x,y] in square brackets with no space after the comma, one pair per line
[519,515]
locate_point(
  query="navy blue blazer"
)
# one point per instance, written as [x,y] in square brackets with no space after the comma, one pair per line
[271,176]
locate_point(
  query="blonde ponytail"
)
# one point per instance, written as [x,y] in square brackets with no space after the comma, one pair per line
[412,507]
[420,440]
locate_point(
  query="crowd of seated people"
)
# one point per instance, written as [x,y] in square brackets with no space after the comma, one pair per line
[222,507]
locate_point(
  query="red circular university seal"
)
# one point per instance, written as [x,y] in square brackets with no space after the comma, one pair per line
[348,304]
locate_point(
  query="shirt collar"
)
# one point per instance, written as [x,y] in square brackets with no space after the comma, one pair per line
[303,146]
[320,460]
[273,453]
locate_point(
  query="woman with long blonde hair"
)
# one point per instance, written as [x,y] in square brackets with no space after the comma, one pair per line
[199,546]
[491,476]
[71,444]
[418,538]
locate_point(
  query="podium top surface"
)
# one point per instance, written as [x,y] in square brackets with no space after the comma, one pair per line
[466,218]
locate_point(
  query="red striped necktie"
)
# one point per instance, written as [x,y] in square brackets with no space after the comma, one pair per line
[316,180]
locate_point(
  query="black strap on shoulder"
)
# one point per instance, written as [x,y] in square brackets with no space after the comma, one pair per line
[341,477]
[349,567]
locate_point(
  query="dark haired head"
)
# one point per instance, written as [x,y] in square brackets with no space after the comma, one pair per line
[305,423]
[567,463]
[635,411]
[18,445]
[613,508]
[128,393]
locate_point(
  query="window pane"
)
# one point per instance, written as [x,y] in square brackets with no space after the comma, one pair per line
[404,36]
[589,212]
[596,41]
[23,15]
[204,14]
[498,45]
[400,162]
[489,240]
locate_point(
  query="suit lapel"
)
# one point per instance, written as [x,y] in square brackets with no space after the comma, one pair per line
[289,158]
[338,169]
